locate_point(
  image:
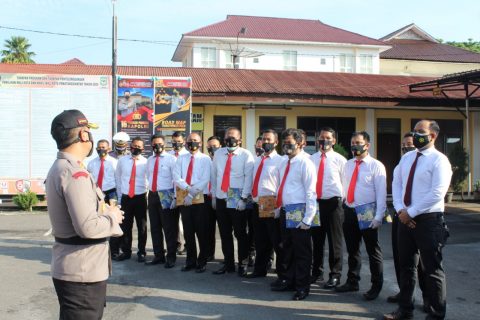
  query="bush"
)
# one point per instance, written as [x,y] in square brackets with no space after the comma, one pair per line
[26,200]
[340,149]
[459,161]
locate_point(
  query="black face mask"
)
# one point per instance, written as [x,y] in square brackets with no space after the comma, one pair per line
[101,153]
[421,140]
[289,148]
[259,151]
[325,144]
[211,150]
[231,142]
[158,148]
[268,147]
[358,149]
[193,145]
[407,149]
[136,151]
[127,97]
[177,145]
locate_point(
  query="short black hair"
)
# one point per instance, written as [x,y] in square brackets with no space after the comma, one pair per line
[157,136]
[272,132]
[126,91]
[234,128]
[295,133]
[329,129]
[408,134]
[364,134]
[103,141]
[259,138]
[214,138]
[177,134]
[137,138]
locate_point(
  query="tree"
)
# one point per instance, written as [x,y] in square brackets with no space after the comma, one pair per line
[470,45]
[459,161]
[17,51]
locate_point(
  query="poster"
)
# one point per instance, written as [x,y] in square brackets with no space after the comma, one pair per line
[135,108]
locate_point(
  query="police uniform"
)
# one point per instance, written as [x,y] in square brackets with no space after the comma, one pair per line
[80,254]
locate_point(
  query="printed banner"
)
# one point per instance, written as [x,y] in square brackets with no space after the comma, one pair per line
[19,186]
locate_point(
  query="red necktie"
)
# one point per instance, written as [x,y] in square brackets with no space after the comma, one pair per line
[176,154]
[280,190]
[226,173]
[131,190]
[257,178]
[188,179]
[407,199]
[353,183]
[321,171]
[101,173]
[155,173]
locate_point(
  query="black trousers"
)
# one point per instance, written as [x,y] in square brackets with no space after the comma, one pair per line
[114,241]
[80,300]
[195,223]
[251,231]
[425,241]
[331,227]
[267,238]
[156,228]
[211,227]
[396,258]
[353,240]
[297,255]
[134,208]
[232,220]
[169,219]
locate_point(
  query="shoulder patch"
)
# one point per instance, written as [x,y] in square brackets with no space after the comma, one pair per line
[79,174]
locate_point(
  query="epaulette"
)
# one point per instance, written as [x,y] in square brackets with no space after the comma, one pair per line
[79,174]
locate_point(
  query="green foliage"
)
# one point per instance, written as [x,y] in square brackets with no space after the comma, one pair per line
[26,200]
[476,186]
[459,160]
[340,149]
[467,45]
[17,51]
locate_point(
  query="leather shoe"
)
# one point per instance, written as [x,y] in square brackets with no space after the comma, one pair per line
[141,258]
[123,256]
[316,278]
[169,264]
[155,261]
[201,269]
[283,285]
[373,293]
[331,283]
[224,270]
[186,268]
[210,258]
[393,299]
[347,287]
[242,271]
[300,295]
[398,315]
[255,274]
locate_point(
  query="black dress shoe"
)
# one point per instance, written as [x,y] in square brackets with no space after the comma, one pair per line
[186,268]
[201,269]
[300,295]
[242,271]
[373,293]
[169,264]
[251,260]
[210,258]
[155,261]
[224,269]
[331,283]
[393,299]
[398,315]
[123,256]
[347,287]
[115,256]
[283,285]
[315,278]
[255,274]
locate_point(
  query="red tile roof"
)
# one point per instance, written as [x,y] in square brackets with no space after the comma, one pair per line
[255,82]
[428,51]
[73,61]
[282,29]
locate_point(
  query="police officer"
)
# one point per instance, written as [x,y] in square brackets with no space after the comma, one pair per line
[213,144]
[120,145]
[81,222]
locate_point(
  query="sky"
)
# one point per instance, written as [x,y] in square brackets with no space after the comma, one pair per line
[166,20]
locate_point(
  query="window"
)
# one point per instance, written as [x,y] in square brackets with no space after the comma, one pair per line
[222,123]
[208,57]
[228,59]
[346,63]
[323,61]
[290,60]
[366,63]
[255,60]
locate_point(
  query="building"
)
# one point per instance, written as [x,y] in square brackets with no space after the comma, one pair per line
[416,53]
[263,43]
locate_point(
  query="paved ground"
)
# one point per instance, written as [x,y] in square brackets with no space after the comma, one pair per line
[139,292]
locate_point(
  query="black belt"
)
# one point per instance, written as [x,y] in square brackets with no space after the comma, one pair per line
[78,241]
[428,216]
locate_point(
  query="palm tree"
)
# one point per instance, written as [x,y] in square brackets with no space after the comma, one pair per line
[17,51]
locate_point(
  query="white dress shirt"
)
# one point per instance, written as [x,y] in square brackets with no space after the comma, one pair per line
[109,166]
[371,184]
[181,152]
[124,170]
[269,179]
[166,165]
[332,176]
[300,184]
[200,171]
[240,173]
[430,182]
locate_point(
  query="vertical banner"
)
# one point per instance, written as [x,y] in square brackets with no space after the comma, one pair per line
[135,108]
[173,105]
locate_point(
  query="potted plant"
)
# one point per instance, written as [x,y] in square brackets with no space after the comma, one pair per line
[459,161]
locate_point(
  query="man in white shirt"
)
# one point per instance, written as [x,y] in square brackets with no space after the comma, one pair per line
[131,177]
[297,189]
[103,169]
[231,181]
[266,181]
[163,216]
[192,174]
[329,165]
[365,185]
[213,144]
[419,187]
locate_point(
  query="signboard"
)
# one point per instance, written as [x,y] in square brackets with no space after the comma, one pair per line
[197,121]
